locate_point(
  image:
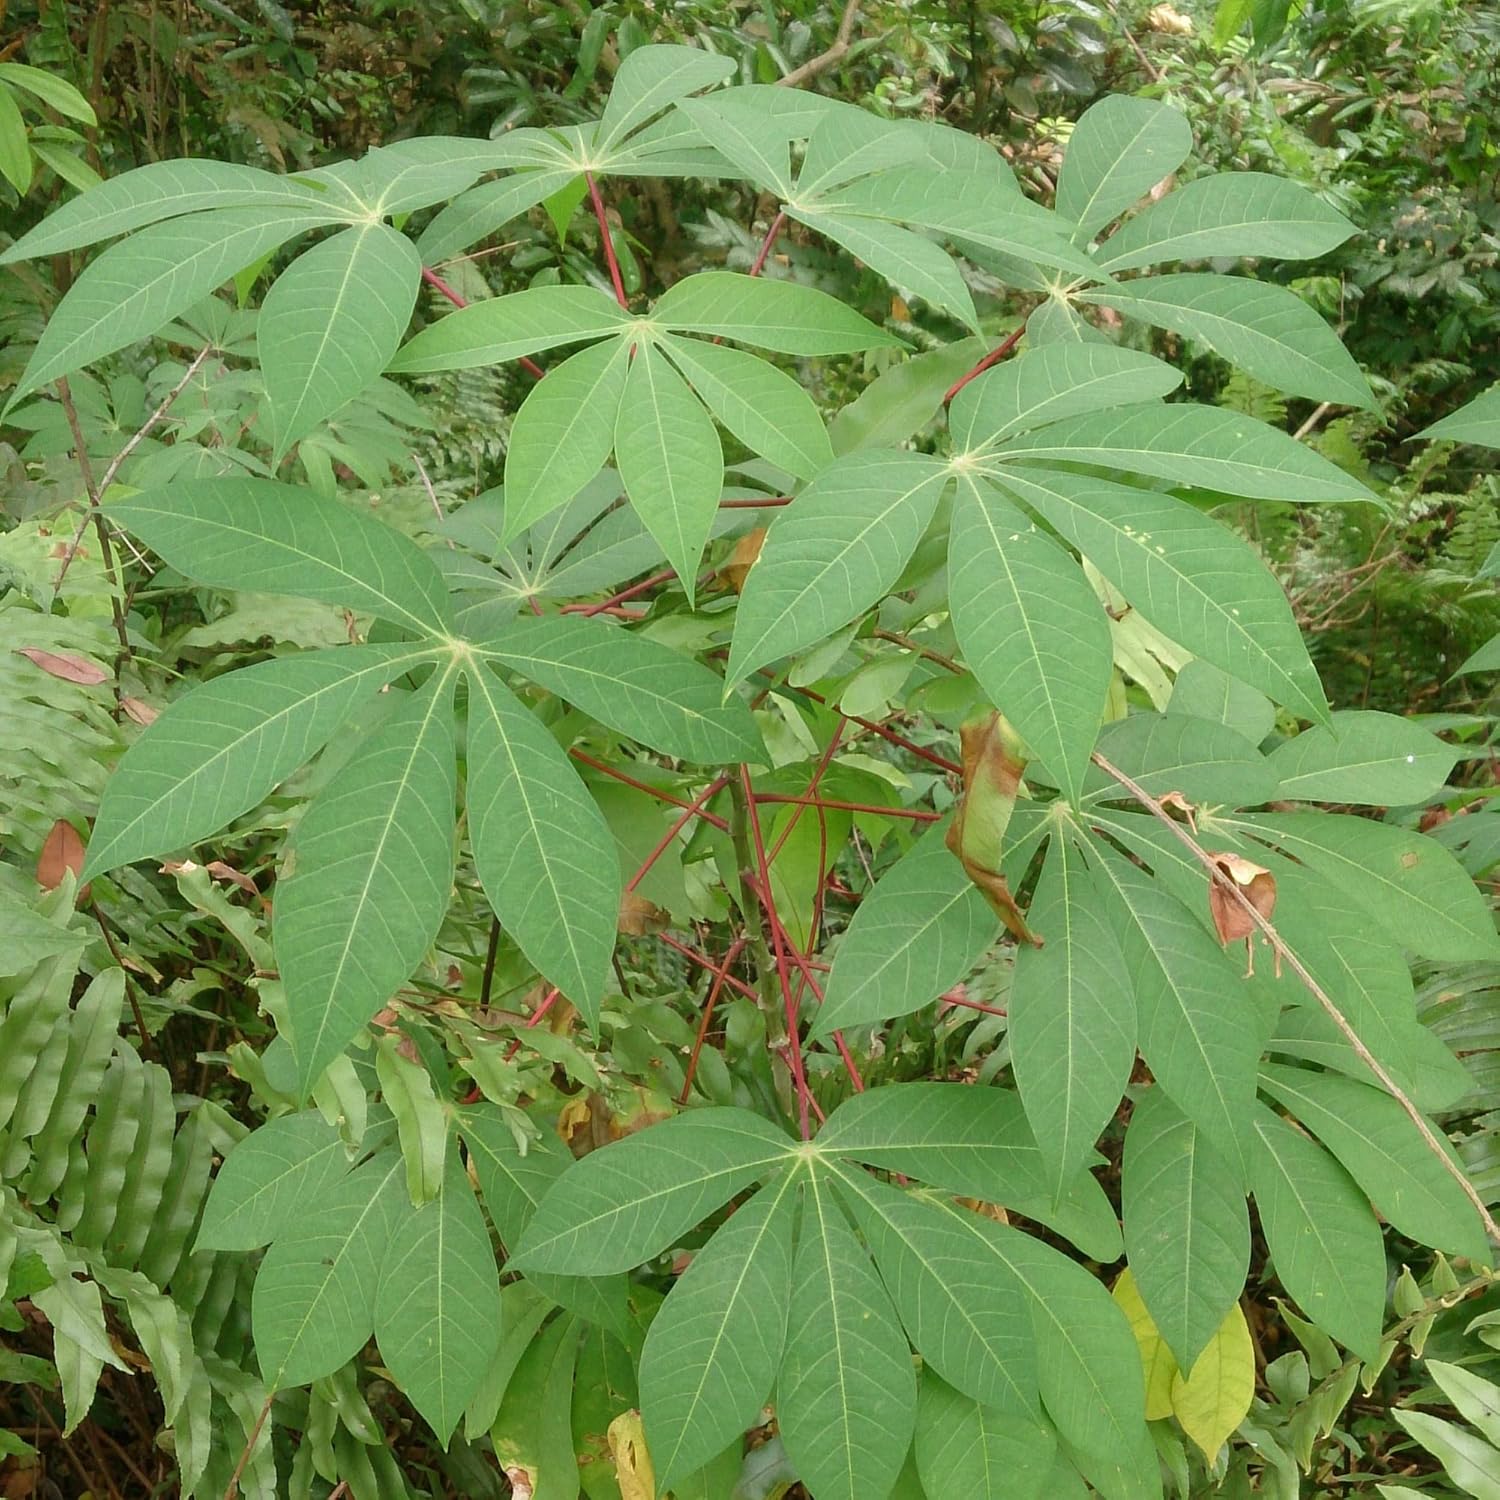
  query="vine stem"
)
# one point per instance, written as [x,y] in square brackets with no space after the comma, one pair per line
[992,358]
[609,244]
[1285,953]
[232,1489]
[440,286]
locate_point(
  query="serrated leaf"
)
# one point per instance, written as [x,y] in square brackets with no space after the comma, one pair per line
[1214,1397]
[712,1352]
[437,1308]
[1478,422]
[630,1200]
[1228,214]
[222,747]
[652,78]
[537,837]
[833,553]
[1325,1244]
[762,406]
[668,454]
[275,538]
[964,1448]
[1363,757]
[331,322]
[1031,629]
[1202,760]
[478,213]
[1267,331]
[1118,151]
[1187,1231]
[372,871]
[1194,579]
[846,1396]
[1072,1022]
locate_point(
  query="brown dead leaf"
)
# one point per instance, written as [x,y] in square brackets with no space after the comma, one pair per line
[1175,802]
[900,312]
[70,668]
[1231,920]
[62,851]
[573,1117]
[638,916]
[139,710]
[220,871]
[1168,20]
[634,1470]
[522,1482]
[742,559]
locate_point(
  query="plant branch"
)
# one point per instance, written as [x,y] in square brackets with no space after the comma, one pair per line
[693,810]
[607,238]
[437,283]
[825,60]
[720,975]
[916,814]
[992,358]
[232,1489]
[1285,954]
[607,770]
[765,245]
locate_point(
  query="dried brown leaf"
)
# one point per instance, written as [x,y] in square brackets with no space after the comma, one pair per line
[139,710]
[62,851]
[740,561]
[638,916]
[77,669]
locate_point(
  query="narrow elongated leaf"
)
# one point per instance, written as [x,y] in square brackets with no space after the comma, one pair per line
[1325,1244]
[1268,331]
[779,315]
[1187,1232]
[850,142]
[30,937]
[846,1397]
[330,324]
[502,328]
[563,432]
[668,454]
[1364,757]
[313,1306]
[838,549]
[631,1199]
[533,1431]
[652,78]
[1051,382]
[275,538]
[1381,1149]
[632,683]
[1201,1046]
[1478,422]
[138,286]
[964,1448]
[748,136]
[370,875]
[478,213]
[221,748]
[921,929]
[437,1309]
[1118,151]
[1192,578]
[762,406]
[15,151]
[1203,760]
[1204,446]
[1072,1022]
[537,837]
[1228,213]
[712,1352]
[1469,1461]
[1032,629]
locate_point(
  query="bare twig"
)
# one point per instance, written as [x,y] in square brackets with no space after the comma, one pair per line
[1318,413]
[825,60]
[232,1489]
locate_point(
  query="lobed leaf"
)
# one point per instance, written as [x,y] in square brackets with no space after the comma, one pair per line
[1119,150]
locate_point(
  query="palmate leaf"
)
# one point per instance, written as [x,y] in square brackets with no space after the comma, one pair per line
[964,1448]
[370,874]
[1368,757]
[1171,752]
[650,80]
[1031,629]
[1478,422]
[1118,151]
[750,137]
[478,213]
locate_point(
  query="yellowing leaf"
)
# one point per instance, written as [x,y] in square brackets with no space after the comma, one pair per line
[1156,1359]
[633,1468]
[1215,1397]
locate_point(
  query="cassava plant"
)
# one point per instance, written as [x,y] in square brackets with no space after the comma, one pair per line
[1098,731]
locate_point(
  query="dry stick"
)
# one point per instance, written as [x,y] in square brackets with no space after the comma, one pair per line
[1318,413]
[135,1005]
[437,283]
[825,60]
[233,1487]
[609,243]
[1285,954]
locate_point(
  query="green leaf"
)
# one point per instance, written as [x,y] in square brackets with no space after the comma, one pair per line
[270,1180]
[748,136]
[1268,331]
[631,1200]
[903,399]
[1051,382]
[1203,760]
[712,1351]
[222,747]
[1203,691]
[50,89]
[15,152]
[779,315]
[563,432]
[369,878]
[850,142]
[1228,214]
[437,1309]
[1072,1023]
[166,190]
[1381,1149]
[1031,629]
[504,328]
[1364,757]
[1187,1232]
[138,286]
[421,1117]
[1118,151]
[1201,1049]
[1478,422]
[275,538]
[533,1432]
[1195,580]
[634,684]
[846,1396]
[964,1448]
[537,838]
[914,936]
[1477,1400]
[1203,446]
[313,1306]
[30,937]
[652,78]
[762,406]
[1213,1398]
[668,454]
[838,549]
[1325,1244]
[478,213]
[330,324]
[1470,1462]
[1413,887]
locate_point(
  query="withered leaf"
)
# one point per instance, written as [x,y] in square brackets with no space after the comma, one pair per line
[739,562]
[62,851]
[1231,920]
[638,916]
[77,669]
[634,1470]
[139,710]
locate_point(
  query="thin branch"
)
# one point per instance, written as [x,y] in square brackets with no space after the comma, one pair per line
[703,798]
[720,975]
[992,358]
[1285,954]
[232,1489]
[896,638]
[825,60]
[609,243]
[437,283]
[916,814]
[765,245]
[641,786]
[1317,415]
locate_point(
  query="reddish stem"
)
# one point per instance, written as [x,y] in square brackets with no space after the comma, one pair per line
[437,283]
[642,786]
[705,796]
[917,814]
[810,797]
[609,243]
[889,735]
[720,975]
[765,245]
[705,962]
[992,358]
[755,504]
[632,592]
[954,998]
